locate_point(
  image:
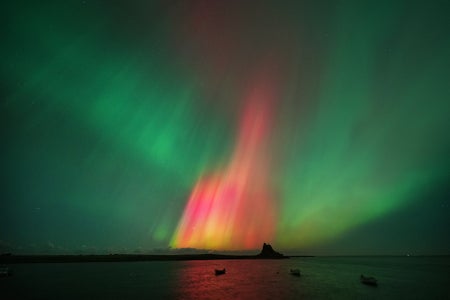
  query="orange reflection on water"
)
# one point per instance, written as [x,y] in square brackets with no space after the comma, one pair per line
[244,279]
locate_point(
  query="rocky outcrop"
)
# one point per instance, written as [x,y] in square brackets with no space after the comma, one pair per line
[268,252]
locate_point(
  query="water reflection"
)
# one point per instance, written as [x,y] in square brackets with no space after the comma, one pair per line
[244,279]
[321,278]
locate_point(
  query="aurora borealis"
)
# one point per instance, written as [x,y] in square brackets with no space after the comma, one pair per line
[317,126]
[234,209]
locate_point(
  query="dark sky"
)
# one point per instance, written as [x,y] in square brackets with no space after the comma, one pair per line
[139,126]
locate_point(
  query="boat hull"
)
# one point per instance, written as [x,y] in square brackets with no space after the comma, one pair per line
[219,272]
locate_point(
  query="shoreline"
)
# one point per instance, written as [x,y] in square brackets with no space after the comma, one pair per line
[17,259]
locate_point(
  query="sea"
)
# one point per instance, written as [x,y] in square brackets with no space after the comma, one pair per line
[321,278]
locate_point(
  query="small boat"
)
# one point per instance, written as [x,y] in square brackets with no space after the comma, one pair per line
[5,272]
[295,272]
[220,272]
[368,280]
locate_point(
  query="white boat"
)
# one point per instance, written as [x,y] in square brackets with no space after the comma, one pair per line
[295,272]
[368,280]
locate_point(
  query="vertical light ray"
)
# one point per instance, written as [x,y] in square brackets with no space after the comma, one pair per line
[234,208]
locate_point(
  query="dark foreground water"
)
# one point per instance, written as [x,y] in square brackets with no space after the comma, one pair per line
[322,278]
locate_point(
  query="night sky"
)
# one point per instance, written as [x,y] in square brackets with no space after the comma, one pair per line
[321,127]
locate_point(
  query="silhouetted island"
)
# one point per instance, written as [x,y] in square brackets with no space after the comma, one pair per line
[267,252]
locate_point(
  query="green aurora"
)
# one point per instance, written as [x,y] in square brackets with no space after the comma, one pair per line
[111,113]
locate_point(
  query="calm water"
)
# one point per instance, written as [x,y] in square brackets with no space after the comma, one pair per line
[322,278]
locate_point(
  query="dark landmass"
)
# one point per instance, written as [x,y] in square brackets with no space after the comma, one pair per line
[118,257]
[302,256]
[266,253]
